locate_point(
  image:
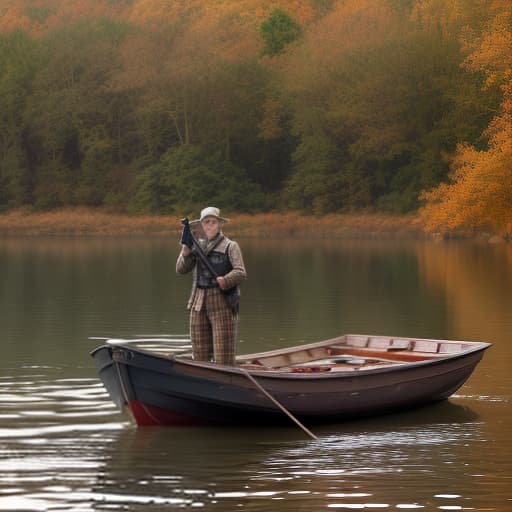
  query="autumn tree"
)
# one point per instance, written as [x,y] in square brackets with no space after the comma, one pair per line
[479,193]
[374,93]
[353,106]
[193,86]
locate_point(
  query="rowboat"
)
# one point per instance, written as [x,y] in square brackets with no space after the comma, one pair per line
[343,378]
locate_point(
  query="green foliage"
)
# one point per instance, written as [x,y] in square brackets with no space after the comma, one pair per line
[376,128]
[313,185]
[73,114]
[96,163]
[278,31]
[13,178]
[188,177]
[53,188]
[18,58]
[359,116]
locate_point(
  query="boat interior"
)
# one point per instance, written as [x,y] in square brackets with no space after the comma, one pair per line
[351,352]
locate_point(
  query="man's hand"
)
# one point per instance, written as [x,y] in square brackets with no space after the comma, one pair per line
[185,250]
[222,283]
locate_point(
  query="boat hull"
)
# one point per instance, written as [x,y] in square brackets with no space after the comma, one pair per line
[175,391]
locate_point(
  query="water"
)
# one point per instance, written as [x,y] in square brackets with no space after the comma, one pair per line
[64,446]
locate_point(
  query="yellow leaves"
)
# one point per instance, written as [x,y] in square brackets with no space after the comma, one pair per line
[480,191]
[492,51]
[13,17]
[343,36]
[444,18]
[357,23]
[153,11]
[480,194]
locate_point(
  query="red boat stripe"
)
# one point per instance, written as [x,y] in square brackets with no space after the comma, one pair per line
[149,415]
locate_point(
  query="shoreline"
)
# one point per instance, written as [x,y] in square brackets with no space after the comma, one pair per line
[84,222]
[89,222]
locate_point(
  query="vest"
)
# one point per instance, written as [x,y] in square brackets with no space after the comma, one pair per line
[220,263]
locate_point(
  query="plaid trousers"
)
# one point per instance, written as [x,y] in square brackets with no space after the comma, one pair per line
[213,329]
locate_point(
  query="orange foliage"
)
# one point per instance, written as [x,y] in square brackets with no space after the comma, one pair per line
[239,17]
[439,16]
[351,25]
[231,27]
[480,192]
[355,24]
[22,14]
[159,12]
[492,52]
[13,18]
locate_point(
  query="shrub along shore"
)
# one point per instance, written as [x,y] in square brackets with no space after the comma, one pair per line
[97,222]
[91,222]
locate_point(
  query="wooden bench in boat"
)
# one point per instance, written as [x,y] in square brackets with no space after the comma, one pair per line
[374,351]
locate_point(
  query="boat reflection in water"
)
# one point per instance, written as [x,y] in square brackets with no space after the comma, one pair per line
[372,461]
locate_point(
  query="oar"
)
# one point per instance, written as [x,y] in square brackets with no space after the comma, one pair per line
[278,404]
[120,341]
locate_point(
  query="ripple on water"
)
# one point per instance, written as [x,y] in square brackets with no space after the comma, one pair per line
[64,446]
[53,430]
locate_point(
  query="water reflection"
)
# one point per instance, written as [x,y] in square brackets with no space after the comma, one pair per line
[64,446]
[475,285]
[233,468]
[323,288]
[48,424]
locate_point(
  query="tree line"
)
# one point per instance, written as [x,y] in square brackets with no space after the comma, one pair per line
[313,105]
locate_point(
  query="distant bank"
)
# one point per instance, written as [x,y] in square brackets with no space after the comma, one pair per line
[92,222]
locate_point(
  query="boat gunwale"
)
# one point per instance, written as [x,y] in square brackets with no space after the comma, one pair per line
[269,373]
[332,341]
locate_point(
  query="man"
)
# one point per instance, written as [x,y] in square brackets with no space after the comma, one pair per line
[213,320]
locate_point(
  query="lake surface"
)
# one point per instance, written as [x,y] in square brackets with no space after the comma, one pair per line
[64,446]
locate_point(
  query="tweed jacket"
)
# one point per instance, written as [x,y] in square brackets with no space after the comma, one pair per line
[186,264]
